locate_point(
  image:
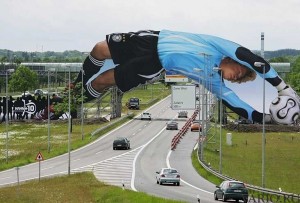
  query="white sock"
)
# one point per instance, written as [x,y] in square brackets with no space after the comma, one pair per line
[281,86]
[92,91]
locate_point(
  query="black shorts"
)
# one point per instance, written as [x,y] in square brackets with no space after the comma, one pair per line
[136,54]
[126,46]
[136,71]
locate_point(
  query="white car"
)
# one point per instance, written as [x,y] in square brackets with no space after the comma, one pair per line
[146,116]
[26,94]
[40,92]
[168,175]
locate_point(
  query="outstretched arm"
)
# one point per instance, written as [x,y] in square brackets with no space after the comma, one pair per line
[233,102]
[254,62]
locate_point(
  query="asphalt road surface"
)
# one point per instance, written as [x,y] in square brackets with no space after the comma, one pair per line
[135,168]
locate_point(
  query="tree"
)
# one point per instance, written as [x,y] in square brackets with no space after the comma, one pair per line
[23,79]
[75,101]
[294,76]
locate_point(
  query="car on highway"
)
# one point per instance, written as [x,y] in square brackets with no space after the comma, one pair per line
[234,190]
[134,103]
[26,94]
[40,92]
[195,126]
[172,125]
[243,121]
[182,114]
[121,143]
[146,116]
[168,175]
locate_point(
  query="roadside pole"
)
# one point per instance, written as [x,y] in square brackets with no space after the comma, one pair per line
[39,158]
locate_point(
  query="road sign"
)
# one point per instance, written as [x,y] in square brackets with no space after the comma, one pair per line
[183,97]
[173,77]
[39,157]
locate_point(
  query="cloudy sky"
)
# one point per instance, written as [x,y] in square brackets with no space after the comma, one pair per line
[59,25]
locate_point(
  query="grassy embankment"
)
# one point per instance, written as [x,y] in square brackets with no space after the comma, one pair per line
[243,160]
[81,187]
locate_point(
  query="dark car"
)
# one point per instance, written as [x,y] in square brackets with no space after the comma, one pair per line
[172,125]
[121,143]
[134,103]
[235,190]
[243,121]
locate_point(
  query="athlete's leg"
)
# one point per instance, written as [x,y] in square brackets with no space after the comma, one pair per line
[122,48]
[125,76]
[101,83]
[101,51]
[94,61]
[137,71]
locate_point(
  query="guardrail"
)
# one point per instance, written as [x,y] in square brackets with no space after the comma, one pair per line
[182,131]
[288,196]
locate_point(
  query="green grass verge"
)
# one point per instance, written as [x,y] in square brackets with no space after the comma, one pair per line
[25,140]
[202,172]
[243,159]
[62,189]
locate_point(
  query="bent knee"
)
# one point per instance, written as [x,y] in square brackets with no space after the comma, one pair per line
[104,81]
[101,51]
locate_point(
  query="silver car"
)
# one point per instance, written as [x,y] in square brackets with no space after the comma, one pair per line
[168,175]
[182,114]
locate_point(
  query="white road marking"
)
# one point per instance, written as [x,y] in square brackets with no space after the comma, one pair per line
[47,168]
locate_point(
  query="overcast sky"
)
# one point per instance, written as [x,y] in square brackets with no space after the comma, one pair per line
[59,25]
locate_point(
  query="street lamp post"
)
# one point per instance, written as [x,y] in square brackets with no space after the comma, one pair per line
[200,147]
[48,98]
[69,126]
[6,105]
[82,134]
[262,65]
[221,119]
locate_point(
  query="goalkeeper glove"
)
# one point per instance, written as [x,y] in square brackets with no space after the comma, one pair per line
[288,91]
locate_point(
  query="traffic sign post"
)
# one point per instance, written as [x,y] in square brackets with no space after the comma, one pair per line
[39,157]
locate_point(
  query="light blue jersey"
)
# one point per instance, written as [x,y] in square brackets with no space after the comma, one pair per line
[196,54]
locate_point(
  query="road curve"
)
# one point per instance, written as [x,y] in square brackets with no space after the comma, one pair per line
[134,169]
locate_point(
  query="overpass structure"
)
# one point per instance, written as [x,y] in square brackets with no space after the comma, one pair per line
[43,68]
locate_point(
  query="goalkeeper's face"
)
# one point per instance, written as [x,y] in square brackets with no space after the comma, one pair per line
[235,72]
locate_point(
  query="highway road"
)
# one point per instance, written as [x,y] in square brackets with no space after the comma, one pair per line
[135,168]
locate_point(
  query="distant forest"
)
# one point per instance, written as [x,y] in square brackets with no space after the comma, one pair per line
[280,53]
[8,56]
[46,57]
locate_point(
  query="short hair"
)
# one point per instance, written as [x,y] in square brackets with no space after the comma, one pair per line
[249,76]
